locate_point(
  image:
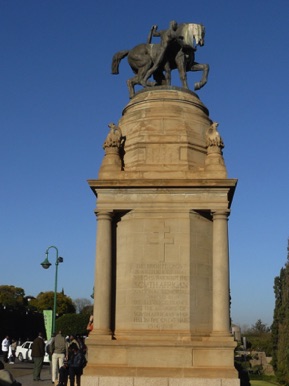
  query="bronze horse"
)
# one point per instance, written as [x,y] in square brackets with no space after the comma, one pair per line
[179,55]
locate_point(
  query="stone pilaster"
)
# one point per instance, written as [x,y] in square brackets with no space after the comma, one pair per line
[102,289]
[221,318]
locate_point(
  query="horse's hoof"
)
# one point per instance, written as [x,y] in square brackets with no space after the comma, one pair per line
[197,86]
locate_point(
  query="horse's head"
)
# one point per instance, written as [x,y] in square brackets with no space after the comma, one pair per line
[192,34]
[200,34]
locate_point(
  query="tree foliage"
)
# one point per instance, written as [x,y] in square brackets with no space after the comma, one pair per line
[280,326]
[22,318]
[45,301]
[259,328]
[81,303]
[260,342]
[20,324]
[12,297]
[259,337]
[88,310]
[73,324]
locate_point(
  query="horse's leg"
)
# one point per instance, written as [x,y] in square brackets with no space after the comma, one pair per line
[159,78]
[140,62]
[201,67]
[140,68]
[181,66]
[142,75]
[168,74]
[133,82]
[155,65]
[130,84]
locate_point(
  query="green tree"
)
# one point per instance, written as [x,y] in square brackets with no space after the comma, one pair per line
[88,310]
[81,303]
[280,326]
[73,324]
[259,337]
[259,328]
[261,342]
[12,297]
[45,301]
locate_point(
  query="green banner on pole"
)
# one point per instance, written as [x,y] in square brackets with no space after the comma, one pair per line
[47,314]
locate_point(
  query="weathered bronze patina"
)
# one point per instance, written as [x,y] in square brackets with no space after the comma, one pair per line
[176,50]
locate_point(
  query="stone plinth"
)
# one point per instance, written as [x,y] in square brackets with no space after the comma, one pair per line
[164,134]
[162,381]
[161,312]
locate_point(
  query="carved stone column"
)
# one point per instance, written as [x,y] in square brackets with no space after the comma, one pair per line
[221,307]
[102,289]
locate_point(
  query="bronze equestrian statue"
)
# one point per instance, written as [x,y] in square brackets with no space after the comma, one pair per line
[175,51]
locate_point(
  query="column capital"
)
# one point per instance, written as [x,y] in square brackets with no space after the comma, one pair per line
[103,214]
[219,213]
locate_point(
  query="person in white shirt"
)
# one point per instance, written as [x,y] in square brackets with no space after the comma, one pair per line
[5,347]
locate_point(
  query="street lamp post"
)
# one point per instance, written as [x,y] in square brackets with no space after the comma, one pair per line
[46,264]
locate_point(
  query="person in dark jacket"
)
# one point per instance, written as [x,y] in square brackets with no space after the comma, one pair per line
[38,352]
[63,374]
[76,363]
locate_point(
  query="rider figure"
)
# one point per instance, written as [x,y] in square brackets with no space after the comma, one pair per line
[167,36]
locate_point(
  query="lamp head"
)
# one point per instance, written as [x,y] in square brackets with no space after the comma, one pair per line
[46,263]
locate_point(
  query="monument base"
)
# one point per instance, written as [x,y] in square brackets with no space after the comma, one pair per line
[204,361]
[161,381]
[161,299]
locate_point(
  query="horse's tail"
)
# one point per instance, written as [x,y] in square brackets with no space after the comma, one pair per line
[116,60]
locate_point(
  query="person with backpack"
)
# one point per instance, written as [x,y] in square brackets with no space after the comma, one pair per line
[49,346]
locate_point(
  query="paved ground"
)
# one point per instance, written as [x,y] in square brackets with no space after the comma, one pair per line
[27,380]
[261,383]
[22,372]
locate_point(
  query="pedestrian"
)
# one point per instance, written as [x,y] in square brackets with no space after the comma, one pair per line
[38,352]
[49,351]
[49,347]
[5,348]
[81,344]
[10,355]
[63,374]
[72,339]
[59,349]
[76,364]
[89,327]
[13,349]
[6,378]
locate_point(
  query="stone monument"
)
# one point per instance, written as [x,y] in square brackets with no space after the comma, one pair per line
[161,301]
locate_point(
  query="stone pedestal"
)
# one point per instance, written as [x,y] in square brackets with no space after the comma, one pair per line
[161,312]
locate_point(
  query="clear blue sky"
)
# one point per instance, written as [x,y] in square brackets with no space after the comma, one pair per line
[57,97]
